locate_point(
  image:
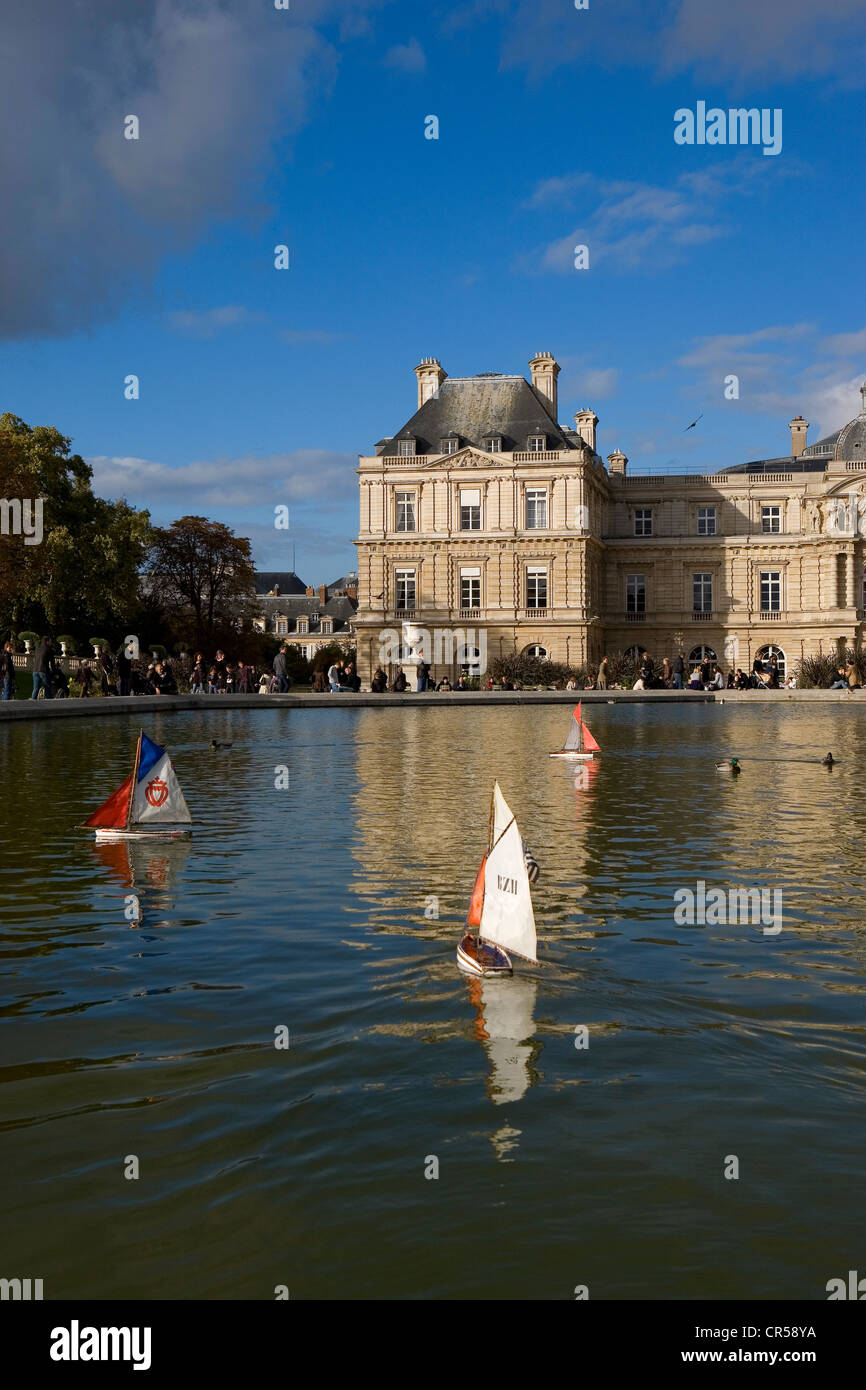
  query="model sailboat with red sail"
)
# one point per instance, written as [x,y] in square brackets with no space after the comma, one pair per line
[580,742]
[149,804]
[500,917]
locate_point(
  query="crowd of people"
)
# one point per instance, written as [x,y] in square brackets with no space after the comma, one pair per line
[117,674]
[702,675]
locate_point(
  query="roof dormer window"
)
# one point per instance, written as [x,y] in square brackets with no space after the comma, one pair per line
[450,444]
[493,443]
[536,443]
[405,448]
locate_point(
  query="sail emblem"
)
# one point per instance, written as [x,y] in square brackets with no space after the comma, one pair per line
[156,792]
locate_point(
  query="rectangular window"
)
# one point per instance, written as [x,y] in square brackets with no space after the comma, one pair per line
[771,520]
[536,508]
[536,586]
[450,446]
[405,448]
[635,593]
[494,445]
[470,587]
[643,521]
[702,593]
[405,585]
[536,443]
[706,521]
[470,509]
[771,591]
[405,511]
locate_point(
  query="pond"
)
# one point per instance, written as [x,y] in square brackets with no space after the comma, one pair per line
[661,1109]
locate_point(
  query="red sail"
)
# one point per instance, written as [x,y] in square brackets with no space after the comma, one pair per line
[113,812]
[589,742]
[477,903]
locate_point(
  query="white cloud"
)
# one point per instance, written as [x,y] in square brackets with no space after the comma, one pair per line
[206,323]
[249,482]
[406,57]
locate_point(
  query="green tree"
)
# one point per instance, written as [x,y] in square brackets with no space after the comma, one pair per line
[203,577]
[80,565]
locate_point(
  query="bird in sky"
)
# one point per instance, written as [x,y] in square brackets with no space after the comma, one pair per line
[694,422]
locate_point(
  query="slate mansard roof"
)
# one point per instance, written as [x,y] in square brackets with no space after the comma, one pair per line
[847,443]
[476,407]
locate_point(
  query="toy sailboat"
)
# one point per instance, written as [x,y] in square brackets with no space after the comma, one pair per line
[149,804]
[501,907]
[580,742]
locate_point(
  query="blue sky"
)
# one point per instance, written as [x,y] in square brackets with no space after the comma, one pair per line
[260,387]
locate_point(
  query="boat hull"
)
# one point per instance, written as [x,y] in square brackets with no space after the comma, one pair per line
[481,959]
[574,757]
[172,834]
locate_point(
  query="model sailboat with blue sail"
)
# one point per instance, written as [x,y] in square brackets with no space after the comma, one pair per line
[149,804]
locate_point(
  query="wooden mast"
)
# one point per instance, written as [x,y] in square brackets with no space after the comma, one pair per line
[134,776]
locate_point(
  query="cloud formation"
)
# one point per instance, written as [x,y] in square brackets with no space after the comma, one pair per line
[248,483]
[406,57]
[86,215]
[628,225]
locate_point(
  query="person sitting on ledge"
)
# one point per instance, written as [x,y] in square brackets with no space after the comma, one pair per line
[695,682]
[163,681]
[840,682]
[741,680]
[716,681]
[399,682]
[379,683]
[444,684]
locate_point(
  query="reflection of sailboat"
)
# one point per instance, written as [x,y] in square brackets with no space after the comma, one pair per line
[580,742]
[148,804]
[505,1026]
[146,869]
[501,906]
[584,776]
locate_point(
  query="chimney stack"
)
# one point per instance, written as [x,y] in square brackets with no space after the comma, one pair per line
[323,594]
[585,422]
[616,463]
[544,371]
[430,376]
[798,427]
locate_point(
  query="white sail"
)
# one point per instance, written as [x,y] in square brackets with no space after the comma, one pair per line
[502,814]
[574,742]
[157,798]
[507,918]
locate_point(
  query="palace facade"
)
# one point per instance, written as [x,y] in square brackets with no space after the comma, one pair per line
[485,521]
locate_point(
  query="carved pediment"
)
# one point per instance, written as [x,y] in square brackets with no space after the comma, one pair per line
[467,457]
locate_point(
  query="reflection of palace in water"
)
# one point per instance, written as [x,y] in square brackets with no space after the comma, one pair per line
[422,799]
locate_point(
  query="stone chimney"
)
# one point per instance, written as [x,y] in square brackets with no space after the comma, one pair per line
[310,593]
[585,422]
[323,594]
[616,463]
[545,370]
[798,427]
[430,376]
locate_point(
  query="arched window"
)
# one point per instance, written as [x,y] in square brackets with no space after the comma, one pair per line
[536,650]
[763,654]
[697,655]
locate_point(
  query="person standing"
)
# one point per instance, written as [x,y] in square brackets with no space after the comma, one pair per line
[124,668]
[196,678]
[281,669]
[244,678]
[334,673]
[43,663]
[7,671]
[603,672]
[84,676]
[423,674]
[679,671]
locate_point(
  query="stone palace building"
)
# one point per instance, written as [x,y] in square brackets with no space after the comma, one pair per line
[486,519]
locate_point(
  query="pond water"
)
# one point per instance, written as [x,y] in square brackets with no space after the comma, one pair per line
[313,908]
